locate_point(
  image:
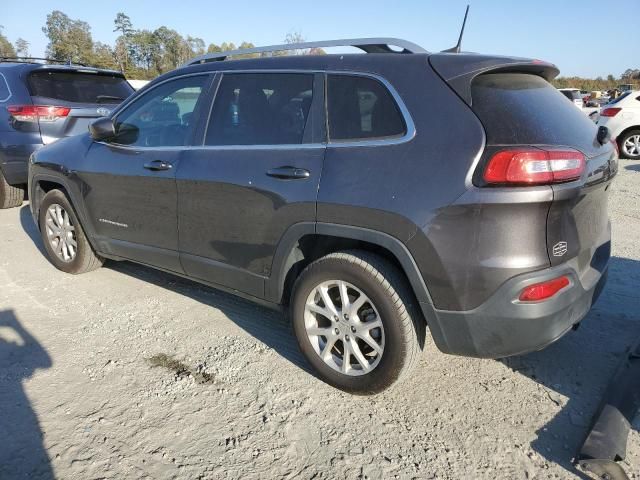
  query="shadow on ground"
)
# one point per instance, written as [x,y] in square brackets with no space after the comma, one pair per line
[576,370]
[22,453]
[573,372]
[633,168]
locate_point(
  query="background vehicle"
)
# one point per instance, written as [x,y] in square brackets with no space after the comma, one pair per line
[325,184]
[40,103]
[574,95]
[622,117]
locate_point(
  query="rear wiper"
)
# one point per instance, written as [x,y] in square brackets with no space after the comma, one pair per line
[104,98]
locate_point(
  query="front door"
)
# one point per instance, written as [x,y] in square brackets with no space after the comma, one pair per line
[256,174]
[130,188]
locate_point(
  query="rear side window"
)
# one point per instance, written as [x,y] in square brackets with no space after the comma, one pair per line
[525,109]
[79,87]
[361,108]
[260,109]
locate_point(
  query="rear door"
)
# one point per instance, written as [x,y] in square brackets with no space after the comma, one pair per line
[79,95]
[130,188]
[256,174]
[519,109]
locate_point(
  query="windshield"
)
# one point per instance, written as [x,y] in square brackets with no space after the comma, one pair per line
[79,87]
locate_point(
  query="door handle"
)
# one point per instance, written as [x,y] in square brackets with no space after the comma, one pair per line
[157,165]
[288,172]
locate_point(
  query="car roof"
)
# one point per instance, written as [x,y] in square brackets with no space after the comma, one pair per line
[31,66]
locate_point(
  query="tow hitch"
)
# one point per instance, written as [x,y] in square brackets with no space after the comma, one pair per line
[606,441]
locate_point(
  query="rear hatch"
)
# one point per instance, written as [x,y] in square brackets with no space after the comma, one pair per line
[78,96]
[521,111]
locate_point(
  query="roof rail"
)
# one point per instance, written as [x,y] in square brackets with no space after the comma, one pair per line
[368,45]
[39,59]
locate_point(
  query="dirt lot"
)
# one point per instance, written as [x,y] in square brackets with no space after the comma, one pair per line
[130,373]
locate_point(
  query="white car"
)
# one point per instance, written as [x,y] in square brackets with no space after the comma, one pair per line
[622,117]
[574,95]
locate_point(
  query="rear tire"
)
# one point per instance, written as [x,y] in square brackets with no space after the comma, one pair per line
[381,332]
[629,145]
[64,239]
[10,196]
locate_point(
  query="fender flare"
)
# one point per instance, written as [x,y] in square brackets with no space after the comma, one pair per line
[283,260]
[34,203]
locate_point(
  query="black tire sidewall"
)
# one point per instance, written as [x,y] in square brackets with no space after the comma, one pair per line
[56,196]
[393,357]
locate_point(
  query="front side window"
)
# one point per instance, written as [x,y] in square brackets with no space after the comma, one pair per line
[260,109]
[163,117]
[361,108]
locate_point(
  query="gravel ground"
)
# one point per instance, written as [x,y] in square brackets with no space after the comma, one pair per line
[130,373]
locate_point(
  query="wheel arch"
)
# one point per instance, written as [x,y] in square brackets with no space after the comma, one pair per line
[627,130]
[305,242]
[42,184]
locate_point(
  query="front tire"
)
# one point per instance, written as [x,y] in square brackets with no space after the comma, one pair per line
[10,196]
[64,239]
[355,320]
[629,145]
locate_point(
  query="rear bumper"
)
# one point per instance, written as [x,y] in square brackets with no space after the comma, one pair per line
[14,162]
[503,326]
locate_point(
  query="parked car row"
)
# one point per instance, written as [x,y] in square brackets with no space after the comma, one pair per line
[324,185]
[41,103]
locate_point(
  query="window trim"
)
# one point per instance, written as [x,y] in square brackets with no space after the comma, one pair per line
[123,106]
[217,76]
[2,100]
[283,146]
[410,129]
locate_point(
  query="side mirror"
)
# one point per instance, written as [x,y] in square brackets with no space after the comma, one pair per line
[102,129]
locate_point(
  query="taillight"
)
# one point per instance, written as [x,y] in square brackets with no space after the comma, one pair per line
[543,290]
[35,113]
[534,167]
[610,112]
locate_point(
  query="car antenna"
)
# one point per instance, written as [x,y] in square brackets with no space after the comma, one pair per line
[456,48]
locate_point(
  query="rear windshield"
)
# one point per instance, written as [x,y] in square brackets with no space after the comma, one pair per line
[79,87]
[571,94]
[525,109]
[616,100]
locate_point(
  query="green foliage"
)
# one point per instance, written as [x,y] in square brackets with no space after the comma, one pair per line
[6,49]
[68,39]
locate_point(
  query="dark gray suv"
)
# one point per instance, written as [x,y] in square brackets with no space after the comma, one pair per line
[43,102]
[373,194]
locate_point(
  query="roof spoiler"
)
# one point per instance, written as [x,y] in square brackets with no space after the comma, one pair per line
[460,70]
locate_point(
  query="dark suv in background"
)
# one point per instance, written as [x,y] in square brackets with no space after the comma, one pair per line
[374,194]
[41,103]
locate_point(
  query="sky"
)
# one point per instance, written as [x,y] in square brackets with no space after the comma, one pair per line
[584,38]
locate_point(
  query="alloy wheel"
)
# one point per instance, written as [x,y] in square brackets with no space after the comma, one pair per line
[344,327]
[631,146]
[61,233]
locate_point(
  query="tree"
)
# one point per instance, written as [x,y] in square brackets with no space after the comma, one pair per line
[196,45]
[68,39]
[213,48]
[6,49]
[122,48]
[103,56]
[22,47]
[296,37]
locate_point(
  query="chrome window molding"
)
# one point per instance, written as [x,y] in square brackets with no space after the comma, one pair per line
[374,142]
[4,79]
